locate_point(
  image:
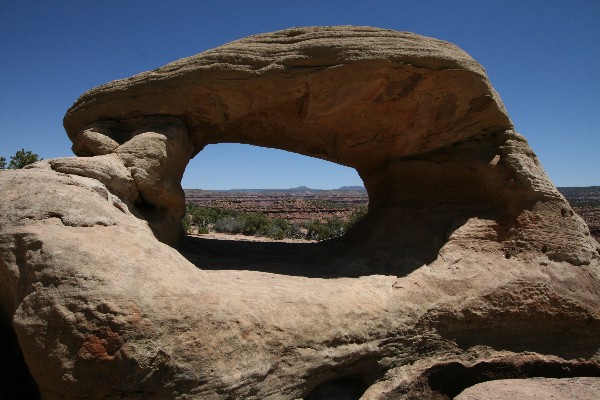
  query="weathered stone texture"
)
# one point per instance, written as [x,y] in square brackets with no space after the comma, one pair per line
[535,388]
[469,266]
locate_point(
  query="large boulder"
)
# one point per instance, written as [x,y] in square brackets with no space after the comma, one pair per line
[534,388]
[469,266]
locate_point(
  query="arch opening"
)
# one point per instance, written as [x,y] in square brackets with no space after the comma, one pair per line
[428,135]
[298,208]
[270,194]
[415,204]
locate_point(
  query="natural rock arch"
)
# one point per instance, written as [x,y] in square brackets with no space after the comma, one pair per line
[415,116]
[470,265]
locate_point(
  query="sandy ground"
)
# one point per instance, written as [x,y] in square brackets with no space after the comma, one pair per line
[243,238]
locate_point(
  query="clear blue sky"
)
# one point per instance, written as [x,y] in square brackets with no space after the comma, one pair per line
[542,56]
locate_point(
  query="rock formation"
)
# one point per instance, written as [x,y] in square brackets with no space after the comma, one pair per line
[535,388]
[469,266]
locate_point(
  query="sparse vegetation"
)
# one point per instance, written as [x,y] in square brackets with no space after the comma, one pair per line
[202,220]
[19,160]
[322,203]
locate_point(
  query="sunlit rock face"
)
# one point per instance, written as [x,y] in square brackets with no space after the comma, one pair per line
[469,266]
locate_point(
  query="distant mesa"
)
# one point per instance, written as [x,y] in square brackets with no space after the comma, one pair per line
[289,190]
[469,266]
[352,188]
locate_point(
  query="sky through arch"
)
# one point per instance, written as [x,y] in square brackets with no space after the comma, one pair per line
[242,166]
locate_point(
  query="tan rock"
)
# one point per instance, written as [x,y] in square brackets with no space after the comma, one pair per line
[107,169]
[156,156]
[313,91]
[98,139]
[402,109]
[470,266]
[534,388]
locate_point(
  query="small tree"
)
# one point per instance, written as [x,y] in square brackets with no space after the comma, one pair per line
[20,159]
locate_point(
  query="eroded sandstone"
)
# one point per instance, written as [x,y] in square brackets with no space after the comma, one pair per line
[469,266]
[535,388]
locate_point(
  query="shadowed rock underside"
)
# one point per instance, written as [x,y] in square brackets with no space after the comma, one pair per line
[469,266]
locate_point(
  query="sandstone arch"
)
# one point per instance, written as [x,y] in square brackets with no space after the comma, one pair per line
[416,117]
[469,264]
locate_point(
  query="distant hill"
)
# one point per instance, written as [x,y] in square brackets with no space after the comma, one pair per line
[571,193]
[582,196]
[353,188]
[299,189]
[580,190]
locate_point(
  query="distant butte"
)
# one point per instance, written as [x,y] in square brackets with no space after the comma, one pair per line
[470,266]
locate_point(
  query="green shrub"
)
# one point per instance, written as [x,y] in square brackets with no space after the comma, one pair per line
[281,224]
[279,229]
[186,224]
[275,232]
[336,227]
[316,230]
[256,224]
[358,214]
[207,219]
[230,224]
[294,231]
[331,228]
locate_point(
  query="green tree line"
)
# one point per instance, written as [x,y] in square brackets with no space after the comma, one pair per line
[19,160]
[203,220]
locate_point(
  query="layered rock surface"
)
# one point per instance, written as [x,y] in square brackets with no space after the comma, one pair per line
[470,266]
[536,388]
